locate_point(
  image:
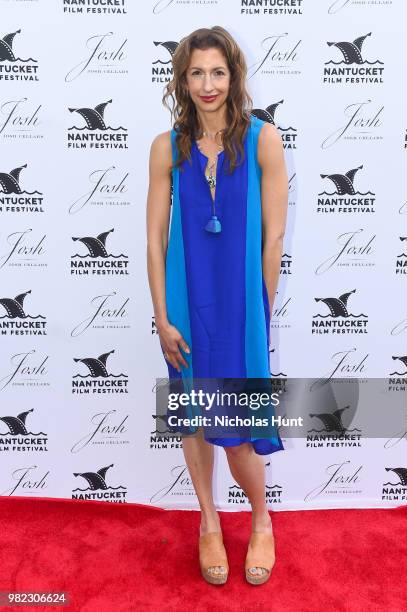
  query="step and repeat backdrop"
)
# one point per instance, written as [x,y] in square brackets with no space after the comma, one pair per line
[81,83]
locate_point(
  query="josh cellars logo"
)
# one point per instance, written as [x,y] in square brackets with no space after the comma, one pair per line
[281,57]
[354,249]
[106,189]
[342,481]
[107,57]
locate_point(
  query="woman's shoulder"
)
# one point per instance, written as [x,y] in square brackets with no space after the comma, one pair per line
[162,141]
[161,145]
[160,150]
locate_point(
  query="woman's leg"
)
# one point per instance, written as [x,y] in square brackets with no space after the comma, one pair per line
[199,457]
[247,468]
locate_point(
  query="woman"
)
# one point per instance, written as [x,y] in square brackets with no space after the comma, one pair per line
[213,282]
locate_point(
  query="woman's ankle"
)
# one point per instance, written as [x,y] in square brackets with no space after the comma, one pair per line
[262,522]
[209,522]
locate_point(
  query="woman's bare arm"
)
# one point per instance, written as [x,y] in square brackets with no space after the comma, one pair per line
[274,197]
[158,218]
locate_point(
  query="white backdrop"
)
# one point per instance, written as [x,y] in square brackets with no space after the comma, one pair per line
[80,98]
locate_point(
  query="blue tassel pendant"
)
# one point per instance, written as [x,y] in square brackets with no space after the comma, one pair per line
[213,225]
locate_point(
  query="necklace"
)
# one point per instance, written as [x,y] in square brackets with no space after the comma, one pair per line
[213,225]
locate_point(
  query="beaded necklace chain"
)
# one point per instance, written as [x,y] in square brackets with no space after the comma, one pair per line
[211,176]
[213,225]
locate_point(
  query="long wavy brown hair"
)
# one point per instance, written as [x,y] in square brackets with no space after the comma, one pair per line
[183,110]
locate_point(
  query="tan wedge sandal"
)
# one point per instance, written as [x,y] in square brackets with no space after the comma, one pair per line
[260,555]
[212,558]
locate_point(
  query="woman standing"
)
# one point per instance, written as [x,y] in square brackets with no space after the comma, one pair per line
[214,279]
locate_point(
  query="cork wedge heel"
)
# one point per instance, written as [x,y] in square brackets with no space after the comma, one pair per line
[260,554]
[212,555]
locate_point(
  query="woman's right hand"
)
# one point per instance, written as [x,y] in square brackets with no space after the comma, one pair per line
[171,341]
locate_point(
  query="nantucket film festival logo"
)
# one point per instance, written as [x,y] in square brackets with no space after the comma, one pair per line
[342,480]
[93,259]
[14,66]
[95,7]
[352,249]
[16,434]
[162,70]
[105,187]
[94,377]
[336,317]
[397,381]
[160,437]
[23,249]
[274,492]
[286,264]
[21,119]
[91,129]
[288,134]
[346,197]
[27,370]
[401,259]
[395,489]
[275,369]
[271,7]
[99,486]
[105,429]
[356,122]
[330,430]
[107,311]
[349,63]
[102,55]
[17,318]
[280,55]
[15,196]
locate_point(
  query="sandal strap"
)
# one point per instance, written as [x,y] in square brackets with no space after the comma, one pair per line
[212,551]
[261,551]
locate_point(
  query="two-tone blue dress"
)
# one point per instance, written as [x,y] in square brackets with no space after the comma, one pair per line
[215,291]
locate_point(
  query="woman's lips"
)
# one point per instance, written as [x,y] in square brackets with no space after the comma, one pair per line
[208,98]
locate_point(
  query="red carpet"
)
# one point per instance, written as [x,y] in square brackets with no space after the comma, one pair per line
[132,557]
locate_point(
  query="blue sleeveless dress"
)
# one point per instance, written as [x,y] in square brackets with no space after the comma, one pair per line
[215,291]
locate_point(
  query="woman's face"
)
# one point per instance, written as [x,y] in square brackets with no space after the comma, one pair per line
[208,79]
